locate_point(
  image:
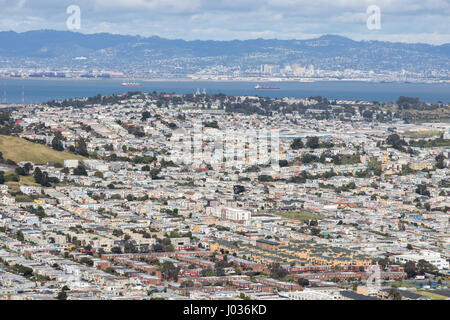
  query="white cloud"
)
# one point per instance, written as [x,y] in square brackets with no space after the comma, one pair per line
[402,20]
[166,6]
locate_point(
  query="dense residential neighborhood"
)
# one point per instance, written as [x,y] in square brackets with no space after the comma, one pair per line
[166,196]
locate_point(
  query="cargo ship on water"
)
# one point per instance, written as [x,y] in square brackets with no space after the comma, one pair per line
[131,84]
[258,87]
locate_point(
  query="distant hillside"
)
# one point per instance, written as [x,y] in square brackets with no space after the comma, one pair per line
[18,149]
[58,49]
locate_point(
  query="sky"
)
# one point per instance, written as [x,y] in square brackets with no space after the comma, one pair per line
[412,21]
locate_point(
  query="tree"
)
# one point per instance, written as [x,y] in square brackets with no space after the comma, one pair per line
[238,189]
[11,162]
[4,118]
[396,142]
[394,294]
[187,284]
[312,142]
[277,272]
[169,270]
[62,295]
[129,247]
[80,171]
[208,273]
[243,296]
[116,250]
[20,171]
[157,247]
[42,178]
[308,158]
[440,161]
[27,167]
[303,282]
[367,114]
[297,144]
[283,163]
[409,103]
[87,261]
[409,246]
[81,147]
[212,124]
[20,236]
[424,266]
[24,271]
[410,269]
[98,174]
[220,272]
[37,175]
[375,166]
[117,232]
[422,190]
[265,178]
[57,142]
[145,115]
[222,264]
[154,173]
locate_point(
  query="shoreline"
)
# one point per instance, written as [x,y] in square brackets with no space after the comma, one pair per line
[266,80]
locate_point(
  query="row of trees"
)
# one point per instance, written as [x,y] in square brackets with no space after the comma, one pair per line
[311,143]
[412,269]
[43,179]
[79,148]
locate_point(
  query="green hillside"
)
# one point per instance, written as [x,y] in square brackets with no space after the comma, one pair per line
[18,149]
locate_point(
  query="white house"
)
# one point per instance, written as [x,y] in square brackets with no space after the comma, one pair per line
[30,190]
[3,189]
[70,163]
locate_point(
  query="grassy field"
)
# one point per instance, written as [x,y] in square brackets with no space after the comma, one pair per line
[14,186]
[398,284]
[18,149]
[431,295]
[299,215]
[423,134]
[421,116]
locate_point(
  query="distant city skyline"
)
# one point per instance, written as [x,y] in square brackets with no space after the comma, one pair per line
[410,21]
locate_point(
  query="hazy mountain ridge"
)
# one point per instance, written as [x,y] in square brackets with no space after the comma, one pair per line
[57,48]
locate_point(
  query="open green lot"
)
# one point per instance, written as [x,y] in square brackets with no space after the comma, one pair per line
[18,149]
[299,215]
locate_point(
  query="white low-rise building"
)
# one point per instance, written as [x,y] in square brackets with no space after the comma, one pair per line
[30,190]
[70,163]
[311,294]
[232,214]
[432,257]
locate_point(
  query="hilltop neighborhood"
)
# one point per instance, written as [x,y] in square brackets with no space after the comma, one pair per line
[165,196]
